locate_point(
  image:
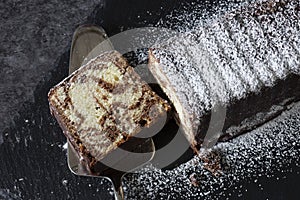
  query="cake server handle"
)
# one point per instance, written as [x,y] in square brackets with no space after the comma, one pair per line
[118,189]
[84,40]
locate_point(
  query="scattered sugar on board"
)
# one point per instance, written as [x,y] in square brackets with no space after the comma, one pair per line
[7,194]
[272,147]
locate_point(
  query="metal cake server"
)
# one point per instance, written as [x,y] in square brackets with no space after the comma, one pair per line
[85,40]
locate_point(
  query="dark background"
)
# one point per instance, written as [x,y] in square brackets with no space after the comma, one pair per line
[34,53]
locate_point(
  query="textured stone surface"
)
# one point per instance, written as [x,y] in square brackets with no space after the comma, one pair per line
[34,34]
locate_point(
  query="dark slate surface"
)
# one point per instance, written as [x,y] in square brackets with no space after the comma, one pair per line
[34,36]
[34,52]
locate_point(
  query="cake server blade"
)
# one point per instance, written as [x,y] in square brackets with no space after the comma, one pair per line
[85,46]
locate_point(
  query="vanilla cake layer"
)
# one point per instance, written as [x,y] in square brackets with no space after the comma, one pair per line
[247,61]
[102,105]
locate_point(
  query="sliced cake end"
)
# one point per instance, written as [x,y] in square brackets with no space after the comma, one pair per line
[103,104]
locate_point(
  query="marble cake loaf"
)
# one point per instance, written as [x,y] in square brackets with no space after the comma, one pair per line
[102,105]
[247,60]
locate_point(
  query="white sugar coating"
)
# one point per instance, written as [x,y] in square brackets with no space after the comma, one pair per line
[179,79]
[274,31]
[230,55]
[252,47]
[232,83]
[237,61]
[273,147]
[289,42]
[259,51]
[191,14]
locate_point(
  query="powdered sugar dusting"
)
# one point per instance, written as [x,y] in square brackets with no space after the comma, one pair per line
[270,148]
[232,55]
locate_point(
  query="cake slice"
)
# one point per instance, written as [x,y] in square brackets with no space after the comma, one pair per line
[103,104]
[247,61]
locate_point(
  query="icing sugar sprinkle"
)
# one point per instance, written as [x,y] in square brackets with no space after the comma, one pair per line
[227,57]
[273,147]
